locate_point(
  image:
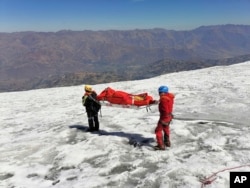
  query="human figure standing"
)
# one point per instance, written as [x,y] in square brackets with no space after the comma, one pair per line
[165,107]
[92,107]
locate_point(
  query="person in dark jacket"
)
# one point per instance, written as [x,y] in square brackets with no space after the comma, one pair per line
[92,107]
[165,108]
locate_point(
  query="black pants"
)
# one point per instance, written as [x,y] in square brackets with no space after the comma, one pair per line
[93,121]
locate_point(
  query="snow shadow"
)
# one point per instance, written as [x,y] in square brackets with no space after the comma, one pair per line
[134,139]
[79,127]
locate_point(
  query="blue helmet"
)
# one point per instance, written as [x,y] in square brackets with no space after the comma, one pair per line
[163,89]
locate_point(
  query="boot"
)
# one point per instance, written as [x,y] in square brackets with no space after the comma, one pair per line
[159,147]
[167,141]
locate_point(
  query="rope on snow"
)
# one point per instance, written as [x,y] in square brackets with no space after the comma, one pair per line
[213,177]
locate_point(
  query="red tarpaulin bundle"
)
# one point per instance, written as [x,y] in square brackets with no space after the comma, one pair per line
[123,98]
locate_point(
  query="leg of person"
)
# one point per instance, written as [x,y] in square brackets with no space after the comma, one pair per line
[96,121]
[91,124]
[90,121]
[166,131]
[158,133]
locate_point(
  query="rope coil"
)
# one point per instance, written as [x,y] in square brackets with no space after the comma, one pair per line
[213,177]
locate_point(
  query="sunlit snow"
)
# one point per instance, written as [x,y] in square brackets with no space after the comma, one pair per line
[210,132]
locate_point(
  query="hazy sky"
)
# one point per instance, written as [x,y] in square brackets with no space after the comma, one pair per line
[55,15]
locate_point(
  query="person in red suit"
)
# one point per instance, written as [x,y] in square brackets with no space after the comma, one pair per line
[162,130]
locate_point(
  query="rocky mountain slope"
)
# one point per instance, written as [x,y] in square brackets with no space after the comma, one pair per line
[31,60]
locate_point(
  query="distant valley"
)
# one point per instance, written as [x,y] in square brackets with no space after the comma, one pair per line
[31,60]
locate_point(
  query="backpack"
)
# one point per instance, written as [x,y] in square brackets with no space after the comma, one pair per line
[96,104]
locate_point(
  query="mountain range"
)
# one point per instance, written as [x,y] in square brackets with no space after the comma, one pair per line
[30,60]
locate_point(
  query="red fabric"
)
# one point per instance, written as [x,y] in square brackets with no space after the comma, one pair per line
[142,99]
[121,97]
[158,132]
[108,92]
[165,108]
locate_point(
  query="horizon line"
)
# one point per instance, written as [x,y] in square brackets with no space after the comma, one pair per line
[134,29]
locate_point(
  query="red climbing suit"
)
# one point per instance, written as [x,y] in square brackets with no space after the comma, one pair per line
[165,108]
[124,98]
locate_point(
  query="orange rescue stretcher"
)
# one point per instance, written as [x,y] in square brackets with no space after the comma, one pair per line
[113,98]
